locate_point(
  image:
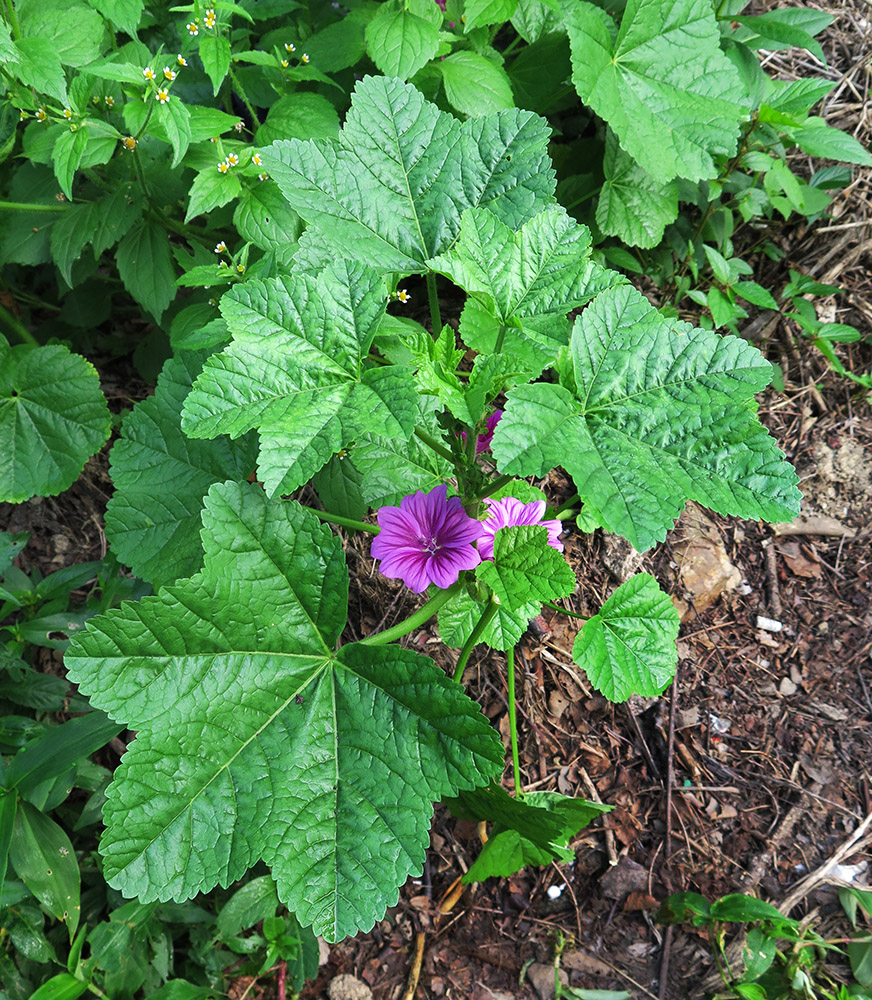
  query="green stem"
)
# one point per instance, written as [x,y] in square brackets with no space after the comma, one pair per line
[565,611]
[510,48]
[432,295]
[27,206]
[501,336]
[472,641]
[493,487]
[148,114]
[431,442]
[344,522]
[423,614]
[13,19]
[571,502]
[17,327]
[513,719]
[241,91]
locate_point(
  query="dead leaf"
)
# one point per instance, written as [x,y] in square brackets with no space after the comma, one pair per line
[640,901]
[798,563]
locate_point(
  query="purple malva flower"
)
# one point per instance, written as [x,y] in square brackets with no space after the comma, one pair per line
[510,512]
[483,441]
[427,539]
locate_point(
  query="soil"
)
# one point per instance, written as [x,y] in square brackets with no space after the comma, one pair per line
[748,774]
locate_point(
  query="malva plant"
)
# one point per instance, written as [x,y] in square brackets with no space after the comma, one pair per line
[259,735]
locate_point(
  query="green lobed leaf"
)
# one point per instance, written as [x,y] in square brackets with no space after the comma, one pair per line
[161,477]
[295,371]
[400,42]
[534,829]
[145,264]
[659,413]
[474,84]
[463,612]
[38,66]
[534,18]
[124,14]
[629,647]
[391,188]
[664,86]
[525,568]
[74,31]
[53,417]
[526,279]
[632,204]
[255,740]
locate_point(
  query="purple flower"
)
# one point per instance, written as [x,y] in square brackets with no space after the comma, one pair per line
[510,512]
[442,4]
[427,539]
[483,441]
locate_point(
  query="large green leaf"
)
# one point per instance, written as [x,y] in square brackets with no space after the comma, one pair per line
[526,280]
[475,85]
[629,647]
[632,204]
[390,190]
[667,91]
[255,740]
[526,568]
[659,413]
[74,30]
[400,42]
[53,417]
[462,613]
[295,371]
[161,477]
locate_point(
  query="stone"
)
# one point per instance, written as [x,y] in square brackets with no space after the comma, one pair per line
[541,978]
[346,987]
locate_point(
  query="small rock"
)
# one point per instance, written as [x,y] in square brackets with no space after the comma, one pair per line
[347,987]
[541,978]
[786,687]
[626,877]
[620,558]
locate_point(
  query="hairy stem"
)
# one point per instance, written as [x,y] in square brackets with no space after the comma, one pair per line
[27,206]
[237,86]
[432,295]
[415,620]
[472,641]
[345,522]
[431,442]
[14,324]
[501,336]
[13,19]
[513,719]
[492,487]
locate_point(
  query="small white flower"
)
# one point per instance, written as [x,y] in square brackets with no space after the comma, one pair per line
[148,73]
[220,246]
[163,96]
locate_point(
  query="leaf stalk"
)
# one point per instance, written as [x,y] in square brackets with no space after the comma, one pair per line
[483,622]
[345,522]
[423,614]
[513,719]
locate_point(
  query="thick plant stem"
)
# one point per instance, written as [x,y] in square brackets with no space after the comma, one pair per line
[414,621]
[431,442]
[513,719]
[26,206]
[14,324]
[493,487]
[501,336]
[435,315]
[472,641]
[557,511]
[13,19]
[345,522]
